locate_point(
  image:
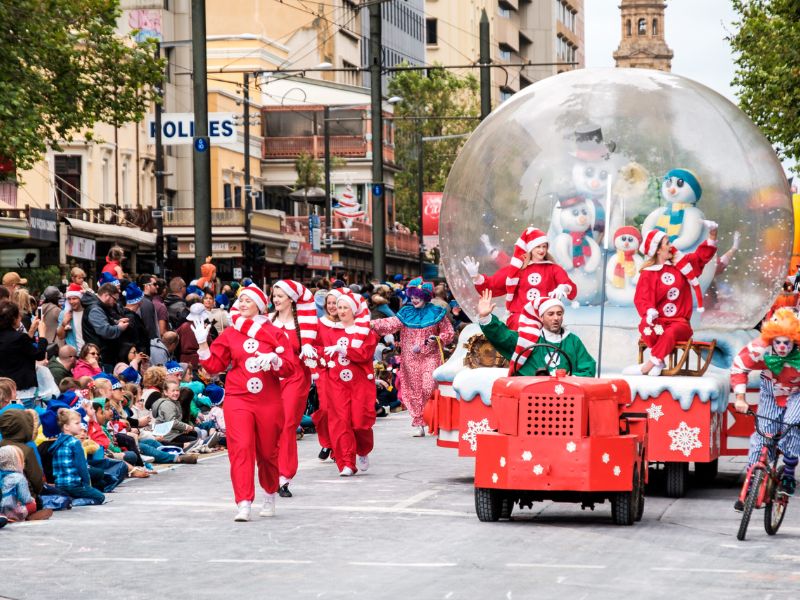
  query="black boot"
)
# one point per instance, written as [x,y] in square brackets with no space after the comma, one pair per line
[284,492]
[324,453]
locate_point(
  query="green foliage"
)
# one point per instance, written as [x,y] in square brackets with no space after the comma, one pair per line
[309,171]
[38,278]
[439,93]
[767,45]
[63,68]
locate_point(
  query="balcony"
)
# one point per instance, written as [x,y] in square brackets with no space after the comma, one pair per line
[359,235]
[346,146]
[136,218]
[220,217]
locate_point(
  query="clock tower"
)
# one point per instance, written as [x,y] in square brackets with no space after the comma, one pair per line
[643,45]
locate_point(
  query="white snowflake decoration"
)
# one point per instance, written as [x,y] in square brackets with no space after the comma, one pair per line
[617,471]
[502,461]
[559,389]
[494,478]
[685,438]
[473,429]
[647,331]
[606,457]
[658,329]
[654,411]
[538,469]
[527,456]
[571,446]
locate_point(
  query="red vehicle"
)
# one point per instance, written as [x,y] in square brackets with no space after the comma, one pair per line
[564,439]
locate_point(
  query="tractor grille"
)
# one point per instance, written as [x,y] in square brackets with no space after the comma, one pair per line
[548,415]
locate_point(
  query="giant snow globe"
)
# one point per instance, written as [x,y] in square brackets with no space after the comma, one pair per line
[587,156]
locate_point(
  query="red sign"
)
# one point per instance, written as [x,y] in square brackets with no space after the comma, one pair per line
[431,207]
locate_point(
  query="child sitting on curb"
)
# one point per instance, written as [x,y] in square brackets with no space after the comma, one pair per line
[70,471]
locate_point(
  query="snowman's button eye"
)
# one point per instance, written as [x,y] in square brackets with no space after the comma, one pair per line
[603,175]
[584,211]
[575,212]
[589,172]
[680,182]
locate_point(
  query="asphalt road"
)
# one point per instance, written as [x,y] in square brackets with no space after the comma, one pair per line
[405,529]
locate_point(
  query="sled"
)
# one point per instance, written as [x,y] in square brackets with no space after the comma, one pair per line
[680,359]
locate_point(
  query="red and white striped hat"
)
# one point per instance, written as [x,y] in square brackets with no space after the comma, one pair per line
[305,306]
[529,239]
[529,329]
[361,312]
[255,294]
[74,291]
[651,242]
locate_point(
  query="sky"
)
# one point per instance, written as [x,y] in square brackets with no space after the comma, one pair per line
[695,30]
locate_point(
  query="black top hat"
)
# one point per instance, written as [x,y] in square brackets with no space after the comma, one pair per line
[589,144]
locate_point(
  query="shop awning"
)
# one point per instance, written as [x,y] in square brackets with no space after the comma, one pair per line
[112,233]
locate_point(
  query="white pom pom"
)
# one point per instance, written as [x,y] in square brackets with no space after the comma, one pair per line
[701,309]
[279,350]
[370,377]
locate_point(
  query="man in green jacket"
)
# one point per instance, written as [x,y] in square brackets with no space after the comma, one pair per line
[551,313]
[61,364]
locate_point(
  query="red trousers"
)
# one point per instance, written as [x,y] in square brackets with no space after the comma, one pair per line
[320,416]
[675,331]
[294,393]
[351,416]
[252,429]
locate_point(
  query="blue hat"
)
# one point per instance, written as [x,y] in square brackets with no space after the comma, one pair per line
[133,294]
[115,383]
[131,375]
[247,281]
[106,277]
[215,393]
[221,300]
[417,282]
[173,367]
[193,289]
[398,278]
[690,179]
[49,418]
[69,398]
[338,284]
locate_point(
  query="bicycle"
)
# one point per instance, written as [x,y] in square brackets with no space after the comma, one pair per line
[762,487]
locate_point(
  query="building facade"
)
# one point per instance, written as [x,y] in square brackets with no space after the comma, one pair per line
[642,44]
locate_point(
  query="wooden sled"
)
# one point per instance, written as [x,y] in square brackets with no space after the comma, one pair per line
[680,359]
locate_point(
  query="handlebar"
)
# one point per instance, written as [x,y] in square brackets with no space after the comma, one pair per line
[776,436]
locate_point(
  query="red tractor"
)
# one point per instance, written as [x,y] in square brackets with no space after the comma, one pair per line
[565,439]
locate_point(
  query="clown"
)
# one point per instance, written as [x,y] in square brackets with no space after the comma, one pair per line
[776,355]
[349,346]
[253,409]
[622,271]
[663,298]
[680,219]
[420,322]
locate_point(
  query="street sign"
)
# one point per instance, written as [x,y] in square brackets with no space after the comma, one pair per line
[201,144]
[377,189]
[178,128]
[237,273]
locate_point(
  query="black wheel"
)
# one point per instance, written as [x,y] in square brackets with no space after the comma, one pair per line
[750,502]
[677,478]
[506,507]
[706,472]
[775,506]
[488,504]
[640,505]
[623,508]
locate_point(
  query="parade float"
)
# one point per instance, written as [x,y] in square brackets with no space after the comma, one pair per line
[615,138]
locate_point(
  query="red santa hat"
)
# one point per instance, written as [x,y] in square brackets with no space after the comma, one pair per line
[255,294]
[651,242]
[305,307]
[530,239]
[361,311]
[74,291]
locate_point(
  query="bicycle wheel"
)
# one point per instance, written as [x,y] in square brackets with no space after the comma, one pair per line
[775,506]
[750,502]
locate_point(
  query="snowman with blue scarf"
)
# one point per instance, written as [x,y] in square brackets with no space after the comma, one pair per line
[680,219]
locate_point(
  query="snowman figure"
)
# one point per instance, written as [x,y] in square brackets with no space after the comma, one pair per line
[680,219]
[575,250]
[622,271]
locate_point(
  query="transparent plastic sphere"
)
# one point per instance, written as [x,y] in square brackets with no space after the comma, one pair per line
[609,137]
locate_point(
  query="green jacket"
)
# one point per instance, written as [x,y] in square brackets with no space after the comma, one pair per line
[58,370]
[505,340]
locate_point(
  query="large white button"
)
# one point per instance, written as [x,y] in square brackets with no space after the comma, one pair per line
[251,364]
[667,278]
[343,341]
[535,278]
[346,375]
[250,345]
[343,360]
[673,293]
[254,385]
[532,294]
[670,309]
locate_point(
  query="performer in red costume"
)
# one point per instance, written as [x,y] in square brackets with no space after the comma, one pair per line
[253,408]
[349,347]
[320,416]
[667,281]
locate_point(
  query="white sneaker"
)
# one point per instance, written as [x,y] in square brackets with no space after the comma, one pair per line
[362,463]
[244,511]
[346,472]
[658,366]
[268,510]
[418,431]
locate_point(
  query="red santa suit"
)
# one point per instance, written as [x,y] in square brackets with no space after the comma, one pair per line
[253,409]
[320,416]
[668,290]
[350,385]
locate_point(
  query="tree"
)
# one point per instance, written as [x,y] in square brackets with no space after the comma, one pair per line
[438,94]
[63,68]
[767,45]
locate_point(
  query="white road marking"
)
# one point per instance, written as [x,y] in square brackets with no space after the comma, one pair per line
[261,561]
[14,559]
[698,570]
[393,564]
[414,499]
[552,566]
[117,559]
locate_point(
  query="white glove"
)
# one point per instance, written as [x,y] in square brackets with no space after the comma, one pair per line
[200,332]
[389,339]
[335,349]
[487,243]
[651,315]
[736,239]
[712,225]
[308,351]
[268,361]
[560,291]
[472,266]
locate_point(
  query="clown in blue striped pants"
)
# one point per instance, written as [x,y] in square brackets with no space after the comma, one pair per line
[790,414]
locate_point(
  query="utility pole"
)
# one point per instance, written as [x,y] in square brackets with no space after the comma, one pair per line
[159,212]
[326,132]
[376,106]
[420,191]
[248,201]
[202,157]
[486,71]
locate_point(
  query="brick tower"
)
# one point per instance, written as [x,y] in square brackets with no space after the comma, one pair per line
[642,45]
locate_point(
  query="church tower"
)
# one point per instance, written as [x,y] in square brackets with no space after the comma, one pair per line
[642,45]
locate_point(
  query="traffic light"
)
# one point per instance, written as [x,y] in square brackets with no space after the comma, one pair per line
[171,244]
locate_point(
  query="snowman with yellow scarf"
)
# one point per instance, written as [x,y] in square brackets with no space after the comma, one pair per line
[680,219]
